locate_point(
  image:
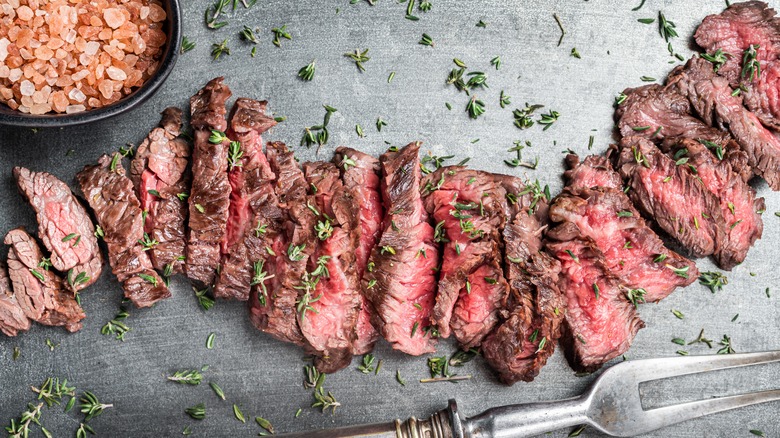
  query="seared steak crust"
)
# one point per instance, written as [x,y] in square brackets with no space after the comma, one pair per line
[594,171]
[12,317]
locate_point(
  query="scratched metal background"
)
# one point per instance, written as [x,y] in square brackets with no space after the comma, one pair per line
[263,376]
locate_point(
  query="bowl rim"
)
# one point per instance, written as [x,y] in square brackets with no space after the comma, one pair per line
[167,62]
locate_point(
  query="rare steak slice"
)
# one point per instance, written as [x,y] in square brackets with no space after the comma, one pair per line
[251,181]
[110,194]
[12,317]
[677,201]
[712,99]
[64,227]
[738,203]
[162,183]
[292,240]
[210,194]
[468,209]
[400,278]
[39,291]
[360,175]
[331,297]
[600,322]
[593,171]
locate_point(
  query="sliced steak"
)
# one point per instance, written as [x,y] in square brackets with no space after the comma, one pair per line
[210,195]
[738,203]
[360,175]
[468,209]
[273,309]
[711,97]
[64,227]
[110,194]
[600,322]
[39,291]
[400,279]
[251,181]
[594,171]
[668,193]
[162,183]
[12,317]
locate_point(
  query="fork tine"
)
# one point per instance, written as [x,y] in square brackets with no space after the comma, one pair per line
[669,415]
[662,368]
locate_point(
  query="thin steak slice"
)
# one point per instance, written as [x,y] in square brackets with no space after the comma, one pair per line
[738,203]
[668,193]
[712,99]
[39,291]
[64,227]
[332,293]
[400,279]
[600,322]
[210,194]
[274,308]
[110,194]
[12,317]
[250,179]
[162,183]
[593,171]
[468,209]
[360,175]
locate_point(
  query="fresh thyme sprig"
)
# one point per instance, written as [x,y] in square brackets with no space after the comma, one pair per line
[219,49]
[186,377]
[204,300]
[248,35]
[91,406]
[359,58]
[713,280]
[186,45]
[475,107]
[367,365]
[279,33]
[197,412]
[307,71]
[426,40]
[52,391]
[21,428]
[117,326]
[234,155]
[325,401]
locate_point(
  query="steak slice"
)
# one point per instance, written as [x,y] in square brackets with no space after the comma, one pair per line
[210,194]
[110,194]
[251,180]
[711,97]
[400,279]
[468,209]
[677,201]
[594,171]
[64,227]
[738,203]
[12,317]
[273,309]
[360,175]
[600,322]
[39,291]
[162,182]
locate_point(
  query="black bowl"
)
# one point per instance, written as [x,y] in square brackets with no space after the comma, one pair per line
[172,28]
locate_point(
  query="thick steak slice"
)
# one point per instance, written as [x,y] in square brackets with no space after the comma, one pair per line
[360,175]
[468,207]
[251,180]
[39,291]
[273,309]
[110,194]
[64,227]
[711,97]
[600,322]
[210,194]
[738,203]
[593,171]
[331,296]
[12,317]
[400,279]
[657,113]
[677,201]
[162,183]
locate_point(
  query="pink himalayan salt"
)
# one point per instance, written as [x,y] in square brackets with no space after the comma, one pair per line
[114,17]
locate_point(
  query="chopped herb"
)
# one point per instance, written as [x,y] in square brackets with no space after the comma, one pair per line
[323,401]
[219,49]
[379,124]
[147,242]
[210,341]
[213,12]
[398,377]
[596,290]
[91,406]
[578,431]
[713,280]
[560,26]
[575,53]
[504,99]
[217,390]
[234,155]
[548,119]
[239,415]
[204,300]
[647,79]
[279,33]
[757,432]
[727,346]
[717,59]
[359,58]
[751,67]
[367,365]
[481,24]
[636,296]
[426,40]
[574,257]
[678,341]
[461,357]
[625,213]
[642,3]
[116,326]
[665,27]
[197,412]
[701,339]
[187,377]
[148,278]
[475,107]
[186,45]
[680,272]
[390,78]
[496,62]
[295,252]
[307,72]
[678,314]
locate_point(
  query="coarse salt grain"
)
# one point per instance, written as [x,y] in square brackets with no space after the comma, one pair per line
[27,88]
[116,73]
[114,17]
[70,109]
[77,95]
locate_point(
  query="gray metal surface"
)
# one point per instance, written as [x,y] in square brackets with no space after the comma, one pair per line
[263,376]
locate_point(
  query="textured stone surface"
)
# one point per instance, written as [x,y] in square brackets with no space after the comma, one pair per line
[263,376]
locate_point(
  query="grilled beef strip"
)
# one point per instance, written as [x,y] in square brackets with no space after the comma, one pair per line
[251,180]
[400,278]
[12,317]
[468,209]
[738,203]
[600,322]
[110,194]
[162,182]
[38,290]
[64,227]
[273,309]
[210,194]
[360,175]
[593,171]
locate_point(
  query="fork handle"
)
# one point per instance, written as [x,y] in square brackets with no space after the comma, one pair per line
[527,420]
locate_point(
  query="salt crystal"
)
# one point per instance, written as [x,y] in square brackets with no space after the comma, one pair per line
[40,108]
[77,95]
[106,88]
[144,12]
[44,53]
[14,3]
[25,13]
[27,101]
[4,71]
[70,37]
[156,13]
[116,74]
[75,109]
[4,43]
[114,17]
[92,48]
[81,74]
[15,74]
[23,109]
[27,88]
[84,59]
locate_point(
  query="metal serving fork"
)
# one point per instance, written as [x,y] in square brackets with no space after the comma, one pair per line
[612,405]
